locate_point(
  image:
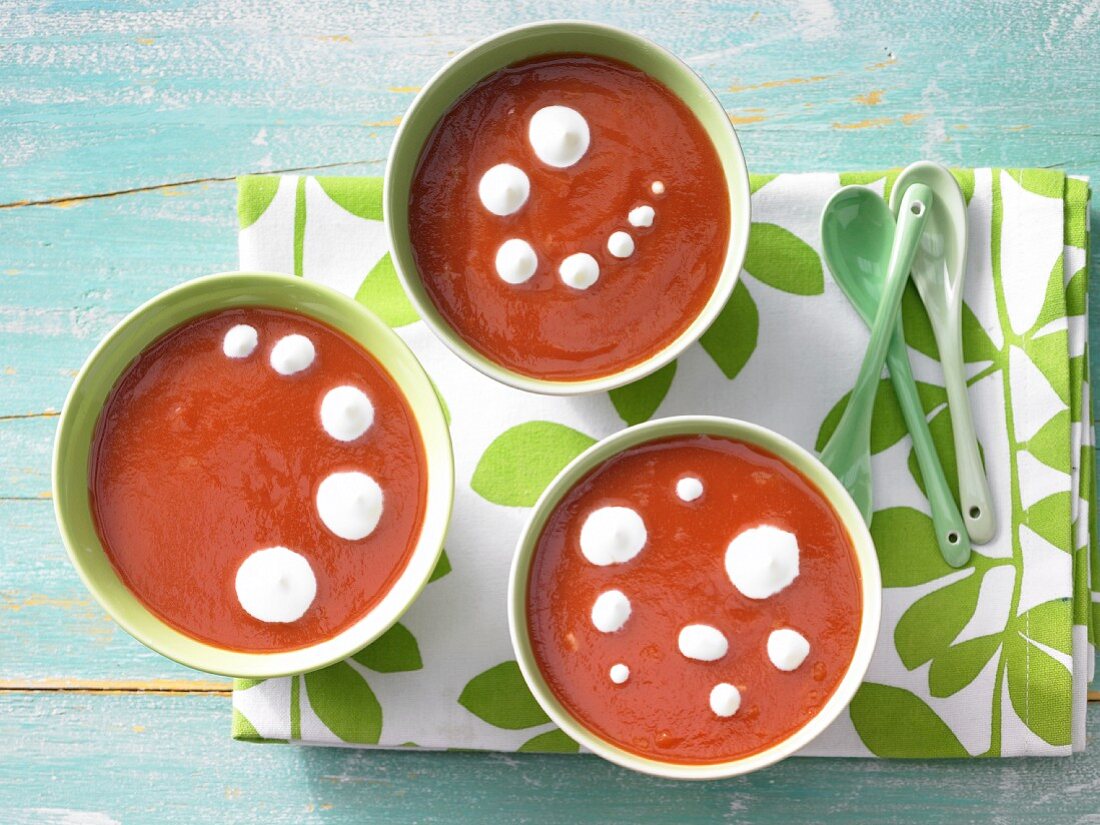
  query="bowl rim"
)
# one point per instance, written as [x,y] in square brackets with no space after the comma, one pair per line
[787,450]
[736,247]
[404,370]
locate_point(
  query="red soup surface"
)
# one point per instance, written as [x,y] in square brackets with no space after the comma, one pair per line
[663,709]
[199,460]
[640,135]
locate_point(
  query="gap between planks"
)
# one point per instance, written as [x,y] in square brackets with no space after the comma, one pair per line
[118,686]
[154,187]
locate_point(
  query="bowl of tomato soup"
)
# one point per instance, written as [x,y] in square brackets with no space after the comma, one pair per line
[253,475]
[567,206]
[694,598]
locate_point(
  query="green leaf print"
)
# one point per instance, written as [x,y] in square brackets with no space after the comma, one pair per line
[553,741]
[442,567]
[758,182]
[521,461]
[344,702]
[500,697]
[361,197]
[1050,518]
[254,194]
[395,651]
[977,345]
[1048,353]
[960,664]
[242,728]
[1054,304]
[943,438]
[932,622]
[1077,293]
[1051,445]
[1048,624]
[965,179]
[893,722]
[888,423]
[1038,685]
[638,401]
[901,535]
[732,337]
[784,261]
[1046,182]
[381,292]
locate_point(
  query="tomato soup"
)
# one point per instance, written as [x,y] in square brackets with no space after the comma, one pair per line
[569,217]
[694,600]
[257,480]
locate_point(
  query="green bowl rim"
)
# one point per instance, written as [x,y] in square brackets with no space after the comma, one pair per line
[736,248]
[431,423]
[781,446]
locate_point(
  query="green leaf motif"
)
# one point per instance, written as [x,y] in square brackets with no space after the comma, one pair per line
[1049,624]
[887,419]
[1050,518]
[638,401]
[908,555]
[242,728]
[395,651]
[944,439]
[442,567]
[344,702]
[931,623]
[500,697]
[1046,182]
[977,345]
[245,684]
[960,664]
[784,261]
[1048,353]
[553,741]
[1054,304]
[892,722]
[381,292]
[965,179]
[732,337]
[521,461]
[1051,445]
[758,182]
[361,197]
[254,194]
[1037,686]
[1077,292]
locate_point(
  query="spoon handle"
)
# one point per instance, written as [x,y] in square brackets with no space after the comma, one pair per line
[847,452]
[951,532]
[975,499]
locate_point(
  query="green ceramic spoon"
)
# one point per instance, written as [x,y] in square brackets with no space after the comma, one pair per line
[939,272]
[865,292]
[860,221]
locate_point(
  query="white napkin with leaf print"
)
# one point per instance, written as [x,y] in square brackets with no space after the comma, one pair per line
[992,659]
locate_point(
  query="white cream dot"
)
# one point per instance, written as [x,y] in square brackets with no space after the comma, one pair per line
[787,648]
[658,187]
[292,354]
[240,341]
[702,642]
[503,189]
[275,585]
[559,135]
[619,673]
[762,560]
[610,611]
[350,504]
[579,271]
[689,488]
[641,216]
[612,535]
[516,261]
[620,244]
[725,699]
[346,413]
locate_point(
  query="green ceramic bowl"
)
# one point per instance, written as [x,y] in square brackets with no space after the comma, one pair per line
[102,370]
[774,443]
[532,40]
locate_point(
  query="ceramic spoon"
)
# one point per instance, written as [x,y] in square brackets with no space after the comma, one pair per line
[860,221]
[939,272]
[865,292]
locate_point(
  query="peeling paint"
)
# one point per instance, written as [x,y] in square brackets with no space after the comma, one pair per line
[870,123]
[393,121]
[739,120]
[872,98]
[403,90]
[788,81]
[912,118]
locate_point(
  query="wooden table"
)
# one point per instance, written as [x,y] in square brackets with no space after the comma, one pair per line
[122,127]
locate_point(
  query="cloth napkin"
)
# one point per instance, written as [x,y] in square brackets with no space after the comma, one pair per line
[992,659]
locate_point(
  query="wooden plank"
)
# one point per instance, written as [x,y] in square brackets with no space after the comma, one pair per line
[161,758]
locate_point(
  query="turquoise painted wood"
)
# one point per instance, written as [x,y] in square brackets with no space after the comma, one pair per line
[127,123]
